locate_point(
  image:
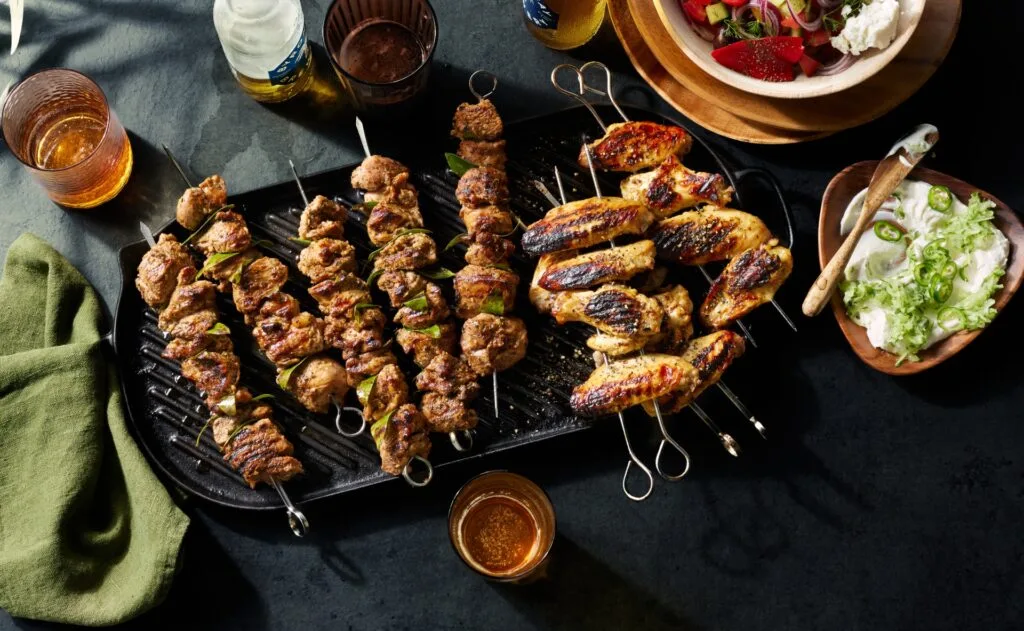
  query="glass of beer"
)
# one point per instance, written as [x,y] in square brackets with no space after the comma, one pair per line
[59,124]
[502,525]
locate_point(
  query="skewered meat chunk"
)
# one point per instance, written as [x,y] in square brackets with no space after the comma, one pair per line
[489,219]
[376,173]
[158,271]
[318,380]
[213,372]
[387,218]
[327,258]
[479,121]
[598,267]
[198,202]
[227,232]
[447,414]
[477,286]
[483,153]
[262,278]
[406,252]
[747,282]
[399,192]
[625,383]
[489,249]
[493,343]
[636,145]
[449,376]
[710,355]
[337,296]
[189,296]
[387,392]
[483,186]
[286,341]
[614,309]
[672,187]
[261,453]
[541,298]
[279,305]
[401,286]
[230,268]
[435,310]
[194,325]
[362,333]
[181,348]
[616,345]
[357,369]
[322,219]
[400,439]
[677,327]
[423,346]
[711,234]
[584,223]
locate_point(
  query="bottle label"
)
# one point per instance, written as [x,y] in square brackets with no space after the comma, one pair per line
[287,71]
[540,14]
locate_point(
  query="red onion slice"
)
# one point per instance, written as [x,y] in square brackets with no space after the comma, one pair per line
[828,5]
[840,65]
[705,33]
[811,26]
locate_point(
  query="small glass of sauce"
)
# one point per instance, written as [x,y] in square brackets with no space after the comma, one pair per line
[380,50]
[502,525]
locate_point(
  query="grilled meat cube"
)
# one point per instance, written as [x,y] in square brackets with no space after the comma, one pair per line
[493,343]
[435,310]
[279,305]
[584,223]
[376,173]
[447,414]
[327,258]
[388,391]
[621,384]
[636,145]
[475,286]
[542,299]
[227,232]
[261,453]
[703,236]
[198,202]
[614,309]
[710,355]
[489,249]
[490,219]
[479,121]
[322,219]
[401,286]
[400,439]
[189,296]
[387,218]
[406,252]
[449,376]
[230,268]
[337,296]
[158,271]
[357,335]
[424,346]
[677,327]
[598,267]
[483,186]
[262,278]
[357,369]
[212,372]
[400,193]
[483,153]
[616,345]
[195,325]
[317,381]
[672,187]
[182,348]
[286,341]
[747,282]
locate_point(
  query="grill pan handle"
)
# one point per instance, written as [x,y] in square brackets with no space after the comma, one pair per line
[767,177]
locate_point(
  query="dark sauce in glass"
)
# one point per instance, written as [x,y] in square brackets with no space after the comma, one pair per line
[381,51]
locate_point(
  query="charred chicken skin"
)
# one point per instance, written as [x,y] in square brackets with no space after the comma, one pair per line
[632,146]
[672,187]
[711,234]
[710,355]
[613,309]
[622,384]
[585,223]
[747,282]
[598,267]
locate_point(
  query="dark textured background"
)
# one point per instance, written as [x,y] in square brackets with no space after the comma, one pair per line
[880,503]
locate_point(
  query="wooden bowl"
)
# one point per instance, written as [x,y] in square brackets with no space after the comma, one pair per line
[869,63]
[837,197]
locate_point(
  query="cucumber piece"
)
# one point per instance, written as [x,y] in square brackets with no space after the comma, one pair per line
[717,12]
[798,5]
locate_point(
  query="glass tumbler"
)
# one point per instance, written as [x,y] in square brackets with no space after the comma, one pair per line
[365,37]
[59,124]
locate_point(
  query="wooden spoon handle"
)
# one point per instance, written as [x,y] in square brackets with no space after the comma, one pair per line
[821,290]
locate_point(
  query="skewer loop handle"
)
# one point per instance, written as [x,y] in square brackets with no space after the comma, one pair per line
[407,473]
[456,438]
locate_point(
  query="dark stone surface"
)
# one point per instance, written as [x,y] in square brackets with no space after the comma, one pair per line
[880,503]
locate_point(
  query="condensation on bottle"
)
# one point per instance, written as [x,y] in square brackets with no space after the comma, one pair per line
[265,44]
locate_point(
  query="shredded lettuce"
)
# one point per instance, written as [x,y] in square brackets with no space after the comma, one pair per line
[972,229]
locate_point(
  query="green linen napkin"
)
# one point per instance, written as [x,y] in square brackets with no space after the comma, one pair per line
[88,535]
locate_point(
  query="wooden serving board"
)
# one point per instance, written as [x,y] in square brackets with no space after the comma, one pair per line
[860,104]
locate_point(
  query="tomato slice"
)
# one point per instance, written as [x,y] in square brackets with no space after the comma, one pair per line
[809,65]
[735,3]
[818,38]
[696,11]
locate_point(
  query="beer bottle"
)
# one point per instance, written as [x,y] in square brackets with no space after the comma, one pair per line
[564,24]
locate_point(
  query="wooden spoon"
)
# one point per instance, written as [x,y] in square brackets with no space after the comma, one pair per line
[890,173]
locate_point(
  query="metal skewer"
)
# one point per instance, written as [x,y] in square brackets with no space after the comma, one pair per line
[456,437]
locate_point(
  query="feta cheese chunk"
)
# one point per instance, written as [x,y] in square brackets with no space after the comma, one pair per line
[874,27]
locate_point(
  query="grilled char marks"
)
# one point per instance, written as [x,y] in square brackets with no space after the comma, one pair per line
[613,309]
[475,285]
[672,187]
[322,219]
[704,236]
[493,343]
[401,438]
[585,223]
[753,269]
[602,266]
[711,355]
[262,278]
[158,271]
[636,145]
[483,186]
[261,454]
[622,384]
[477,121]
[747,282]
[227,232]
[407,252]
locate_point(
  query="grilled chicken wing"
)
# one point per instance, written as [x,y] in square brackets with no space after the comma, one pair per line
[483,186]
[672,187]
[601,266]
[327,258]
[616,345]
[637,145]
[477,286]
[584,223]
[613,309]
[541,298]
[158,272]
[477,121]
[677,327]
[711,234]
[492,343]
[747,282]
[622,384]
[322,219]
[710,355]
